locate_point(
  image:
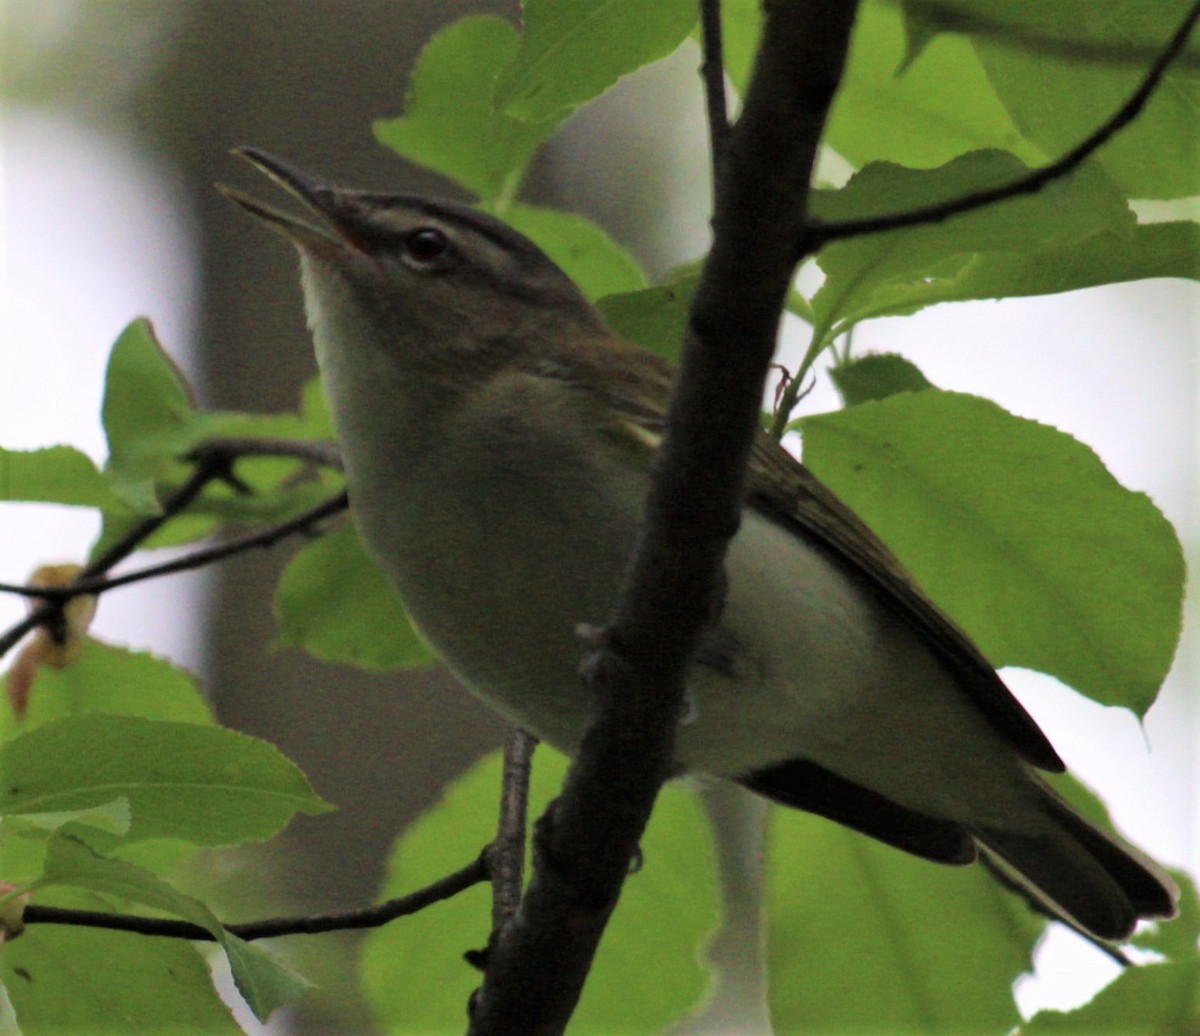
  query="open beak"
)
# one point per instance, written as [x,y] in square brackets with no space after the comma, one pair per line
[316,196]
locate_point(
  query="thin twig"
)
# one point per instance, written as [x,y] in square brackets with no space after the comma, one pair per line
[368,917]
[507,853]
[44,614]
[302,523]
[34,591]
[214,461]
[712,75]
[210,467]
[316,451]
[824,233]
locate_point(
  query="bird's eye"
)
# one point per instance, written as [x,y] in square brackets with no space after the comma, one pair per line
[425,244]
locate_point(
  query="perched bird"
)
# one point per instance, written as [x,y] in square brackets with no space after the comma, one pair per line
[498,440]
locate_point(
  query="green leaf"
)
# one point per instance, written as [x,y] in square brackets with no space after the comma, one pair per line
[1057,99]
[185,528]
[207,785]
[146,411]
[876,376]
[647,971]
[864,938]
[650,969]
[574,50]
[427,947]
[450,124]
[335,603]
[586,253]
[151,423]
[741,25]
[314,410]
[56,475]
[108,678]
[270,489]
[920,113]
[874,274]
[65,980]
[1019,532]
[1109,257]
[235,424]
[277,494]
[654,318]
[264,981]
[111,817]
[1148,1000]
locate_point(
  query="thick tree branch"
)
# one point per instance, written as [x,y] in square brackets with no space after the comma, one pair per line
[584,845]
[823,233]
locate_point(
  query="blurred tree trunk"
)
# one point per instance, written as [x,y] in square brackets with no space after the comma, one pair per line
[304,79]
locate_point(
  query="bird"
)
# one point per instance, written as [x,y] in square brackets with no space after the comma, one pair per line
[498,440]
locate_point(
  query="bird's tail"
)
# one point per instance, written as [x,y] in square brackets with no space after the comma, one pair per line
[1093,880]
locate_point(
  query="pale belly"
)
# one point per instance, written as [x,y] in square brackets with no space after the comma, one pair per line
[803,663]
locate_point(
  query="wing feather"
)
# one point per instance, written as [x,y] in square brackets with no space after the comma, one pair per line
[783,490]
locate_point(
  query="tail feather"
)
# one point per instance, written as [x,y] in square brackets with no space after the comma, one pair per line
[1064,865]
[1092,880]
[802,784]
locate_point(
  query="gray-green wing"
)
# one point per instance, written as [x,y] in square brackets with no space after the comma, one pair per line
[787,492]
[781,488]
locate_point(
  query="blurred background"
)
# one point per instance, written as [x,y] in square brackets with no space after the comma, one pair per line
[115,120]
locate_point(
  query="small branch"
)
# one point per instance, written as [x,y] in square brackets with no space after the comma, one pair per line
[369,917]
[214,461]
[824,233]
[506,855]
[44,592]
[321,452]
[44,614]
[302,523]
[712,75]
[210,467]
